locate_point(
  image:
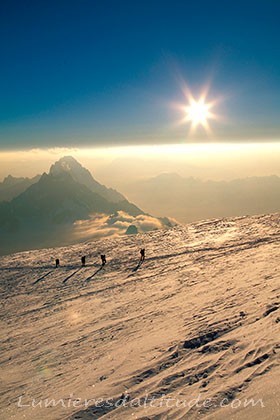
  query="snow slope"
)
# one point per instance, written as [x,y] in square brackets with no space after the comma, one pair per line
[198,319]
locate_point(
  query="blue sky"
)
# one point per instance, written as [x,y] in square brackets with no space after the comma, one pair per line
[89,73]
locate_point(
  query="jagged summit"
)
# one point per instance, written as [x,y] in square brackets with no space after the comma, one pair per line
[70,165]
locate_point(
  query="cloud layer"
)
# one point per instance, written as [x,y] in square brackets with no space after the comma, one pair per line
[117,224]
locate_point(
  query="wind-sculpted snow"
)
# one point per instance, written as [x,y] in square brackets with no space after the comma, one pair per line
[198,320]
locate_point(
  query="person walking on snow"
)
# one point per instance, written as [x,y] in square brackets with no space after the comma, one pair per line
[103,259]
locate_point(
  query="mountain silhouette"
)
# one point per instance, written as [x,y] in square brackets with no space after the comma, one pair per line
[48,208]
[63,196]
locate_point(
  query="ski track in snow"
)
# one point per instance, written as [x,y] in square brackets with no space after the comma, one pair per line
[199,316]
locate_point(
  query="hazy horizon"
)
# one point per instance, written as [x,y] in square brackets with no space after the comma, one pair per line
[113,166]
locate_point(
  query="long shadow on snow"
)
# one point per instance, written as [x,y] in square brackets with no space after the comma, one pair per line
[94,274]
[41,278]
[71,275]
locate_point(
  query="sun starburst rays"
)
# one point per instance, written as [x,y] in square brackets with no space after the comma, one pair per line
[198,112]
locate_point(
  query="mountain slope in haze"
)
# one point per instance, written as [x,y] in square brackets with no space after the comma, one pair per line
[191,199]
[61,199]
[13,186]
[191,333]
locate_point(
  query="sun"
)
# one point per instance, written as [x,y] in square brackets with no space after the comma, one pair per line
[198,112]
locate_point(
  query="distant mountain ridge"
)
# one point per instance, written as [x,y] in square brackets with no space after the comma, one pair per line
[13,186]
[191,199]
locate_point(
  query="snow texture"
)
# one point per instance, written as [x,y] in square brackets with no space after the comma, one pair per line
[200,317]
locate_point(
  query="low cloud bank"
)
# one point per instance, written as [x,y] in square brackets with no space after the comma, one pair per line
[117,224]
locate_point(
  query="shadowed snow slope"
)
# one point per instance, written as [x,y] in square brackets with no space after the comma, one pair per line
[198,320]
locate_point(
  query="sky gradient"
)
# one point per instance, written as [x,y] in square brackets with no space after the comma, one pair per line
[96,73]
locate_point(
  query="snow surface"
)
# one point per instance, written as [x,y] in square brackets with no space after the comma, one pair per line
[198,319]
